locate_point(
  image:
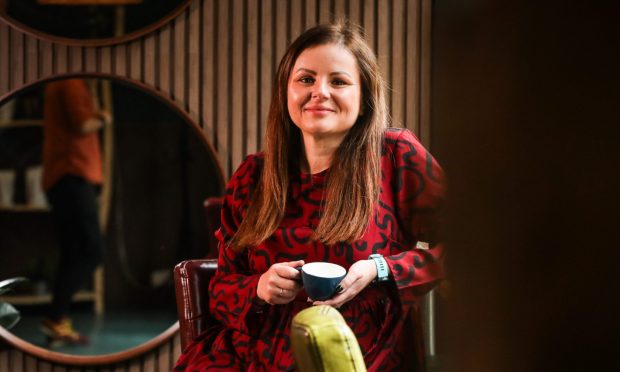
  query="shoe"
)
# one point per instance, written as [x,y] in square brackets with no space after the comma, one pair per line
[62,332]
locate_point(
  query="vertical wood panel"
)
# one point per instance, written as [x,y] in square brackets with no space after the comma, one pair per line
[178,74]
[368,22]
[119,62]
[296,19]
[425,73]
[208,70]
[223,44]
[384,44]
[91,62]
[163,358]
[16,75]
[238,134]
[149,363]
[325,13]
[252,74]
[75,59]
[281,20]
[16,361]
[176,347]
[193,69]
[164,58]
[135,366]
[105,58]
[30,364]
[412,90]
[32,62]
[150,59]
[396,57]
[340,10]
[354,12]
[5,58]
[46,58]
[43,367]
[135,60]
[311,13]
[266,61]
[4,359]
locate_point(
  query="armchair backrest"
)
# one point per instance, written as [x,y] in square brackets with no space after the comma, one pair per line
[212,209]
[191,282]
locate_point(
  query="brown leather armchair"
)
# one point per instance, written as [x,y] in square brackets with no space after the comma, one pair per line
[191,282]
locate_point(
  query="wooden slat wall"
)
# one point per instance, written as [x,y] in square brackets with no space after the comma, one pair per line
[160,359]
[217,61]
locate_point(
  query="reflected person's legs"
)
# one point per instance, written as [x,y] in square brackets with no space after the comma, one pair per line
[75,212]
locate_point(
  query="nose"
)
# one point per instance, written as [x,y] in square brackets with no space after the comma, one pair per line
[320,90]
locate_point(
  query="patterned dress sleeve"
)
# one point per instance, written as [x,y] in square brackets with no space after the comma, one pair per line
[232,291]
[417,183]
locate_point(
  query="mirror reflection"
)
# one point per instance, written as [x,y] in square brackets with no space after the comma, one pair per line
[88,19]
[101,194]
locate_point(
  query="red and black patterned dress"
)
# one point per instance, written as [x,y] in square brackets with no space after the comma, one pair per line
[383,316]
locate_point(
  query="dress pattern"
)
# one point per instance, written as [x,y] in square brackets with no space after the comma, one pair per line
[384,316]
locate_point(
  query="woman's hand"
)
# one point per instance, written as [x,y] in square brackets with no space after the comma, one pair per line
[360,274]
[280,284]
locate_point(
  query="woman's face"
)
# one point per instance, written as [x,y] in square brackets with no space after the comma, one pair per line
[324,91]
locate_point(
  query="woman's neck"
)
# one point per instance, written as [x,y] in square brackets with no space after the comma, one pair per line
[319,153]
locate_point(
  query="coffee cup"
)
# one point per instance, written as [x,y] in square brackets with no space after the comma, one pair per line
[321,279]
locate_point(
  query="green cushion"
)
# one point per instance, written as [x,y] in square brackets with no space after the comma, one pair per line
[322,341]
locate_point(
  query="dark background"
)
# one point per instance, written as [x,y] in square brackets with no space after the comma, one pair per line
[525,122]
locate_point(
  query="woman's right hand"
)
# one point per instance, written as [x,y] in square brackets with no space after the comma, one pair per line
[280,284]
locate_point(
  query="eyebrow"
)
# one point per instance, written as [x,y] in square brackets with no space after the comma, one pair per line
[332,73]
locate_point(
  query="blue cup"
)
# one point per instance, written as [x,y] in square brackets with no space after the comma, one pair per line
[320,279]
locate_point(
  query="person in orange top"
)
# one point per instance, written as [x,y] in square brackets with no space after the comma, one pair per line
[72,176]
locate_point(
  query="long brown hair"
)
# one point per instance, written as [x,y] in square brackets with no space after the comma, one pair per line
[354,176]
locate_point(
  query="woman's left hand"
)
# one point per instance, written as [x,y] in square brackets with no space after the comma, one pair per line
[360,274]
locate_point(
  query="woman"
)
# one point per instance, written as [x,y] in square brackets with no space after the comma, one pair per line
[333,184]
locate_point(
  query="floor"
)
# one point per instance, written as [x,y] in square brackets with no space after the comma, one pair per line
[112,332]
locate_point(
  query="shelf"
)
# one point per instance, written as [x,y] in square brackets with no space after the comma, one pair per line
[32,299]
[24,209]
[94,295]
[21,123]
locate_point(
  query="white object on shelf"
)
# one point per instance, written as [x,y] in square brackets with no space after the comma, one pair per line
[35,195]
[6,111]
[7,188]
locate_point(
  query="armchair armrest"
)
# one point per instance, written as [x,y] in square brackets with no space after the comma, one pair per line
[191,282]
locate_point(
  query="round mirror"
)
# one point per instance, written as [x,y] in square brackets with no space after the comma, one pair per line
[157,171]
[89,22]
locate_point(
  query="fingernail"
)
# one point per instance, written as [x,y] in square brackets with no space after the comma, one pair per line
[339,289]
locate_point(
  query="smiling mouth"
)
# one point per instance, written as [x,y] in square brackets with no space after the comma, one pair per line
[318,110]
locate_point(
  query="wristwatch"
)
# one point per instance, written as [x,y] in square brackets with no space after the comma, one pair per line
[383,272]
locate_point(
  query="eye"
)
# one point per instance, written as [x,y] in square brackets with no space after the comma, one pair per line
[339,82]
[306,80]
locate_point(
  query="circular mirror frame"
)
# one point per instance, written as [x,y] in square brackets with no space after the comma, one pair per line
[166,335]
[97,42]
